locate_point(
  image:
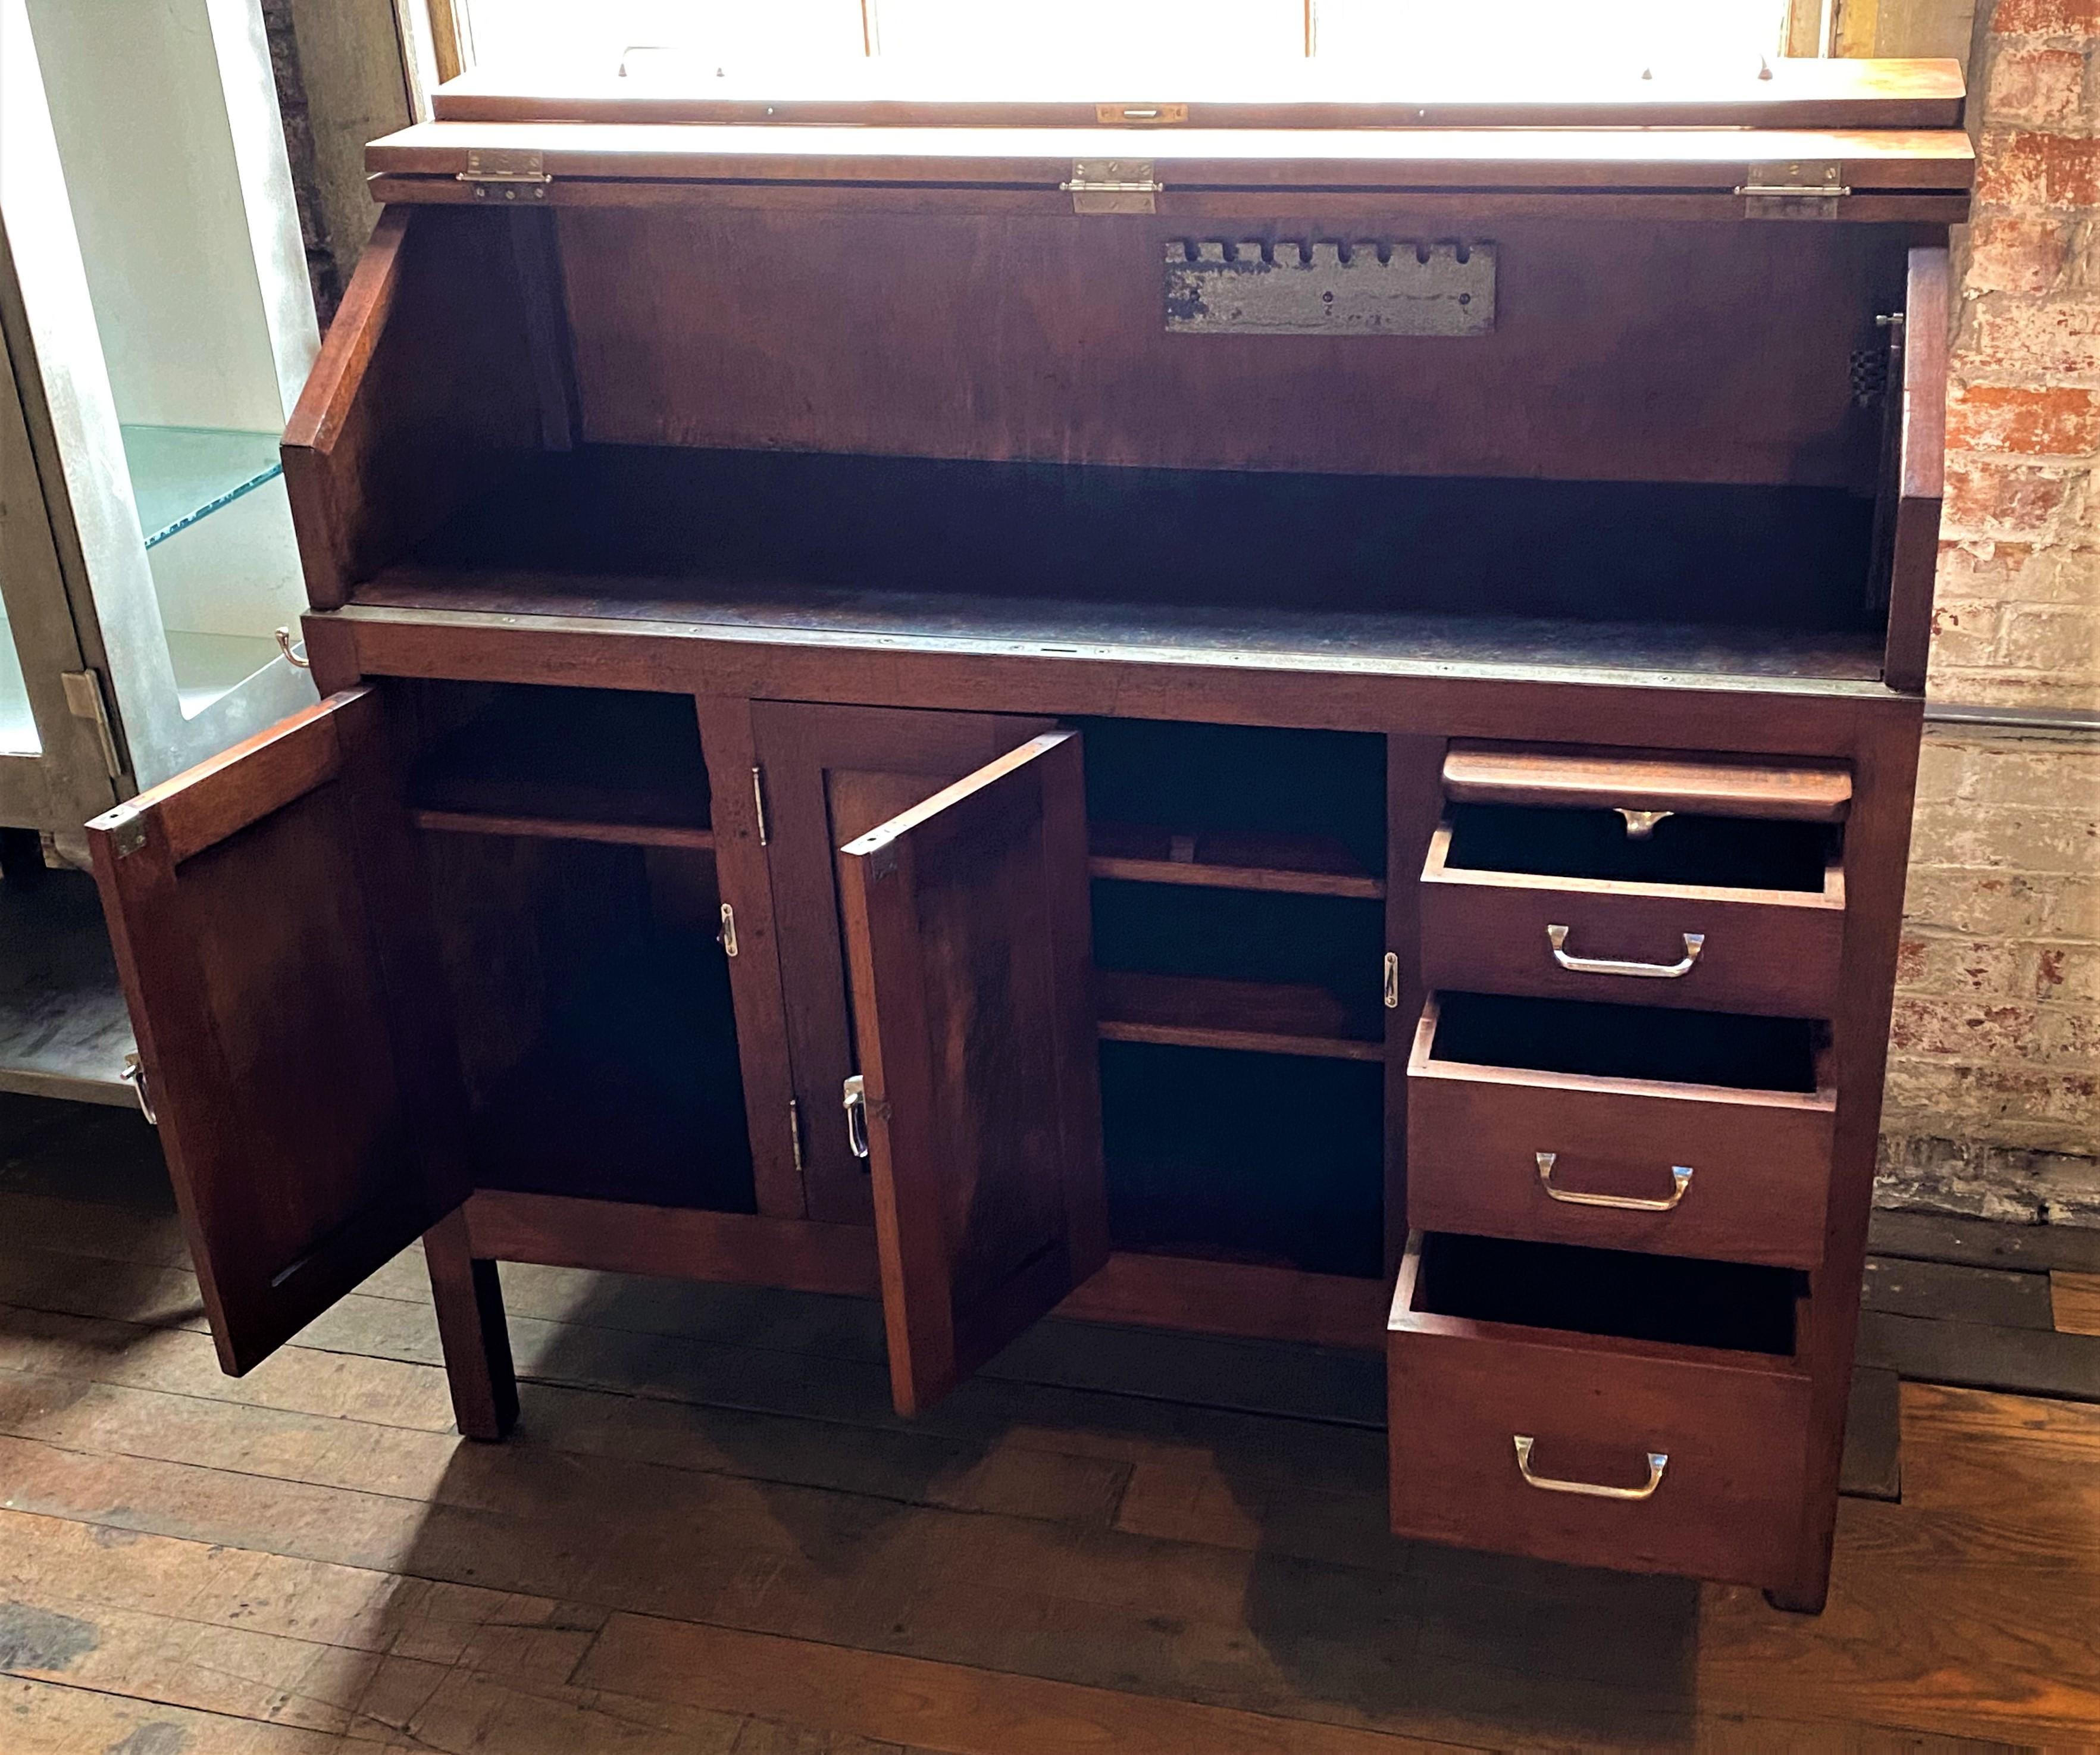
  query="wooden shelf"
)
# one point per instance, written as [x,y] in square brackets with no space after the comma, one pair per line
[591,765]
[1255,1017]
[1299,865]
[564,829]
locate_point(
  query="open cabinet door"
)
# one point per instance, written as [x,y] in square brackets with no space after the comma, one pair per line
[272,931]
[971,945]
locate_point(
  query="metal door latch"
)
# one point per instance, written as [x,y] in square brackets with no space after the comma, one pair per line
[856,1099]
[134,1075]
[727,935]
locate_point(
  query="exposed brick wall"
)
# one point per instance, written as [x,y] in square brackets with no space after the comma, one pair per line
[1994,1069]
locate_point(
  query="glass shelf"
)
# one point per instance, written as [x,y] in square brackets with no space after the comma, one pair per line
[180,474]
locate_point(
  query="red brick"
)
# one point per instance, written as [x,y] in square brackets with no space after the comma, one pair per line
[2033,86]
[2047,17]
[1984,495]
[2015,253]
[2049,337]
[2059,421]
[2023,169]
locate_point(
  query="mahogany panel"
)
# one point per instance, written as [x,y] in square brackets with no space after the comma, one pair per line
[1507,773]
[426,390]
[1920,468]
[1731,1426]
[969,940]
[1760,1160]
[1203,1011]
[828,774]
[1797,92]
[284,984]
[1246,1298]
[1041,337]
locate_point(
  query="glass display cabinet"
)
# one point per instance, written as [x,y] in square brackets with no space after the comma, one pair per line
[156,325]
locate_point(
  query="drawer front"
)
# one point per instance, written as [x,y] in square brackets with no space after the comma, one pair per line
[1759,1166]
[1731,1441]
[1495,933]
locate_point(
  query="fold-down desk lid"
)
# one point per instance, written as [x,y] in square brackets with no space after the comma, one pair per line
[1865,140]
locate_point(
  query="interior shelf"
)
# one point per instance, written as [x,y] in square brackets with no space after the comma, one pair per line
[592,765]
[1302,864]
[1348,571]
[1260,1017]
[180,474]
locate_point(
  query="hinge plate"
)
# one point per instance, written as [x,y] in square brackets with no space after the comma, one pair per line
[1792,188]
[506,174]
[1112,186]
[758,803]
[85,700]
[126,828]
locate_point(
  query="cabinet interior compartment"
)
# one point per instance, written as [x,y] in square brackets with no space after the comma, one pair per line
[1738,852]
[1667,1298]
[1274,1159]
[1237,807]
[589,992]
[1595,1040]
[523,758]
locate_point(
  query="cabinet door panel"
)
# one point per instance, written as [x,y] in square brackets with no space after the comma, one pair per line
[969,937]
[271,929]
[830,774]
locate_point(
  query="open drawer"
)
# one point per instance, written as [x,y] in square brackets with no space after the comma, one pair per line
[1621,1127]
[1665,882]
[1628,1411]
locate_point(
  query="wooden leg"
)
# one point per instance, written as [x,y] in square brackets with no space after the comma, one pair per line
[1802,1602]
[471,1327]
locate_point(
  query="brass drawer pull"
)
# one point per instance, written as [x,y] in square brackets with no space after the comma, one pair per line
[1557,937]
[1679,1173]
[856,1098]
[1658,1462]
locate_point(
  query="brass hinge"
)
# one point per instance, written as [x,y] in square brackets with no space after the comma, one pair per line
[85,699]
[727,935]
[1793,189]
[758,798]
[1112,186]
[513,174]
[795,1132]
[1391,983]
[126,828]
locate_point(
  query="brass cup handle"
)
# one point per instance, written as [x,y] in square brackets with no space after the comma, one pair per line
[856,1101]
[1557,937]
[1680,1176]
[1658,1462]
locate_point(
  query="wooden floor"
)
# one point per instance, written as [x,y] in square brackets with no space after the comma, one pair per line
[710,1535]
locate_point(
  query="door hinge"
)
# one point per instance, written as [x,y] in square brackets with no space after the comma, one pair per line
[795,1132]
[1392,980]
[507,173]
[1793,189]
[758,800]
[1112,186]
[727,935]
[86,699]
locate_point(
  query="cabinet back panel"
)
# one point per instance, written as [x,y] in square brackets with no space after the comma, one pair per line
[1656,352]
[1258,1158]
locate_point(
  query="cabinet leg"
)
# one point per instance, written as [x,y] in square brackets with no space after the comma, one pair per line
[1799,1600]
[471,1328]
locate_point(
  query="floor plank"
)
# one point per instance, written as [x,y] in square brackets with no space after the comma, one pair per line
[1984,1242]
[1955,1294]
[2075,1302]
[1981,1356]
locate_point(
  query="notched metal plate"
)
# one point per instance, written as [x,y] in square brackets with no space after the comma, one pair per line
[1327,287]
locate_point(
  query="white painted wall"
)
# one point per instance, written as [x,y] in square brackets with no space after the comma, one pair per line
[151,173]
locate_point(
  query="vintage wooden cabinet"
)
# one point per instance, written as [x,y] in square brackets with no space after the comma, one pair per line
[1292,719]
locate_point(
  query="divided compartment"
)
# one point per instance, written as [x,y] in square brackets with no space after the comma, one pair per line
[574,894]
[1228,1156]
[1237,873]
[1631,1127]
[1658,881]
[1604,1409]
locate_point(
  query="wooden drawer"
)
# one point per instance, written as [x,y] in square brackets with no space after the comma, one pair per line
[1606,1409]
[1550,1119]
[1659,881]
